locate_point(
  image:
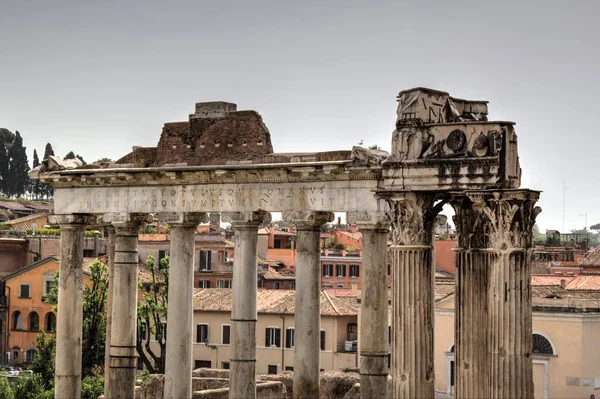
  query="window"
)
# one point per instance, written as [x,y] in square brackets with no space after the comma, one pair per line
[541,345]
[16,354]
[226,334]
[327,270]
[353,270]
[322,340]
[289,368]
[34,321]
[225,365]
[340,270]
[289,338]
[142,331]
[389,269]
[205,261]
[17,323]
[50,322]
[272,369]
[202,364]
[204,284]
[24,291]
[273,337]
[49,283]
[29,355]
[202,333]
[294,286]
[161,331]
[352,331]
[276,285]
[164,330]
[163,253]
[339,285]
[227,283]
[220,284]
[277,243]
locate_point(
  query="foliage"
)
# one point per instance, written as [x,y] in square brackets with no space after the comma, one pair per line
[339,246]
[30,387]
[330,243]
[102,160]
[71,155]
[6,391]
[94,314]
[151,314]
[92,386]
[141,377]
[43,360]
[351,248]
[17,167]
[595,226]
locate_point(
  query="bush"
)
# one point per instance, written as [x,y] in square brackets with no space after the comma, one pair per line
[6,390]
[92,386]
[339,246]
[30,387]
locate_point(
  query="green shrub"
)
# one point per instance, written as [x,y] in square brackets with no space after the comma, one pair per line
[6,391]
[30,387]
[92,386]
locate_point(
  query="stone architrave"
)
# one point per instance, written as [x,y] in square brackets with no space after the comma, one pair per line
[122,366]
[511,215]
[69,332]
[180,320]
[373,345]
[412,215]
[242,377]
[307,323]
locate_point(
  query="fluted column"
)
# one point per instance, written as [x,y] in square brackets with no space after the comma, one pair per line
[67,380]
[511,215]
[471,308]
[412,215]
[307,318]
[242,376]
[109,300]
[122,353]
[373,339]
[180,319]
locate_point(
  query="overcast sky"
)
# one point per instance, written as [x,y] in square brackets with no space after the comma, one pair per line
[100,77]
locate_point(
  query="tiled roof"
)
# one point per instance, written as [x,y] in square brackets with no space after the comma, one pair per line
[15,206]
[592,258]
[341,292]
[274,275]
[355,236]
[548,279]
[26,218]
[584,282]
[443,290]
[270,302]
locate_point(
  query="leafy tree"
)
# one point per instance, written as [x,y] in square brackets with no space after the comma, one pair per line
[151,314]
[6,391]
[18,167]
[94,314]
[595,226]
[43,360]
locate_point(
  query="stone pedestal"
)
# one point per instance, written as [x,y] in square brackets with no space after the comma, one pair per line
[242,377]
[307,318]
[180,321]
[412,216]
[374,348]
[122,352]
[70,306]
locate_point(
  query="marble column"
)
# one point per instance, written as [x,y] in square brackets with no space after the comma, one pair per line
[122,352]
[412,215]
[374,348]
[67,379]
[109,299]
[471,308]
[307,318]
[511,215]
[180,321]
[242,376]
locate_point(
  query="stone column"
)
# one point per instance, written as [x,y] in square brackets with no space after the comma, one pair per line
[471,309]
[180,320]
[109,299]
[511,215]
[412,215]
[374,348]
[67,379]
[122,352]
[307,318]
[242,376]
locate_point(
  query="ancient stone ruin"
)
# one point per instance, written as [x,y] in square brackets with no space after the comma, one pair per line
[221,161]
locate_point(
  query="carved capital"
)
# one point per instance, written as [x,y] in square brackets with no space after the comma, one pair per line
[471,225]
[413,215]
[250,218]
[308,218]
[510,215]
[76,218]
[127,219]
[184,218]
[369,220]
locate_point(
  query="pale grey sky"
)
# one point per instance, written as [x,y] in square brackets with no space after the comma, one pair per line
[98,77]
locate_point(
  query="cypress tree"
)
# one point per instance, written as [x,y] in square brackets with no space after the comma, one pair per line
[46,190]
[35,184]
[18,166]
[48,151]
[4,179]
[36,160]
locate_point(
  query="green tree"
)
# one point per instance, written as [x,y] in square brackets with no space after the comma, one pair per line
[103,160]
[43,360]
[30,387]
[6,391]
[4,176]
[71,155]
[151,314]
[34,188]
[18,167]
[94,314]
[46,190]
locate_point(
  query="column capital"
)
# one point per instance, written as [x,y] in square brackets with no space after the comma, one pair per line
[308,218]
[249,218]
[184,218]
[127,219]
[75,218]
[413,215]
[369,220]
